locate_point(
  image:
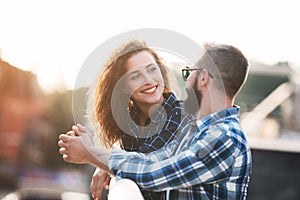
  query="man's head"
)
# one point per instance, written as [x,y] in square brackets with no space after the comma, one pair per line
[221,71]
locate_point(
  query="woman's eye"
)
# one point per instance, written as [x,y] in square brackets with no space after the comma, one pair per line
[134,77]
[152,69]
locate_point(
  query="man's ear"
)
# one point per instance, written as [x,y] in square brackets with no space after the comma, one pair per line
[203,78]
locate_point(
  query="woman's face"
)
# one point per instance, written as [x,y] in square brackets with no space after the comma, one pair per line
[144,80]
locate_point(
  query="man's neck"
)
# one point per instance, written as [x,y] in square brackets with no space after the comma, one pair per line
[214,103]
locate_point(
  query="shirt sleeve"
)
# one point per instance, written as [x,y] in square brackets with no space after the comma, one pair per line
[208,160]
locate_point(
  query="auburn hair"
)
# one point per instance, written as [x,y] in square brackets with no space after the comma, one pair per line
[109,130]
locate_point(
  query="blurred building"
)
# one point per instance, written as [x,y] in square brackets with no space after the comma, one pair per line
[30,122]
[270,105]
[21,106]
[270,102]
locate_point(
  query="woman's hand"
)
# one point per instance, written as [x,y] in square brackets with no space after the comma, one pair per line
[100,180]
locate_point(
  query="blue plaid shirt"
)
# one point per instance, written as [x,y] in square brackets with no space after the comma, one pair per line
[166,123]
[210,160]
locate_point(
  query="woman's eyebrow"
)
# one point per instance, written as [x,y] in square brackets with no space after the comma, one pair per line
[133,72]
[136,71]
[150,64]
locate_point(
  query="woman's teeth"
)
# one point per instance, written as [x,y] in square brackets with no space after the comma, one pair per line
[150,90]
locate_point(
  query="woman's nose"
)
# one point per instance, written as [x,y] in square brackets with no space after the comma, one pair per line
[147,79]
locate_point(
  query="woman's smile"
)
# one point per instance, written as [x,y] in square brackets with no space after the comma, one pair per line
[150,90]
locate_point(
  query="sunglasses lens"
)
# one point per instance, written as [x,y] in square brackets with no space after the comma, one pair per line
[185,74]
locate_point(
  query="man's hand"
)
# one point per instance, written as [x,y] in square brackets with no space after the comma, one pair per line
[100,180]
[73,149]
[77,146]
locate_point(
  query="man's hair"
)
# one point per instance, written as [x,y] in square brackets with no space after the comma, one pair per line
[228,66]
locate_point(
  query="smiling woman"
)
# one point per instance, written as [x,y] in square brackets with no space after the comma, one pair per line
[132,104]
[142,68]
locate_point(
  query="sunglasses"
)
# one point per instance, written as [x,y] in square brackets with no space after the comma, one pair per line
[186,72]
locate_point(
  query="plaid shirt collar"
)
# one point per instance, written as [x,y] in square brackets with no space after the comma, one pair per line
[158,114]
[214,118]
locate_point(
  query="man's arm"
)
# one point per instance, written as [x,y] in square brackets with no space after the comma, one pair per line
[207,161]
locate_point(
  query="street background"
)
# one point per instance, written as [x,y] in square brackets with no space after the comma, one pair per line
[43,45]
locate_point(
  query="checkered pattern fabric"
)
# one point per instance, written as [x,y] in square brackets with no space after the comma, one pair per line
[210,160]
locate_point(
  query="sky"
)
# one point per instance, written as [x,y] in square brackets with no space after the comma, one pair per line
[53,38]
